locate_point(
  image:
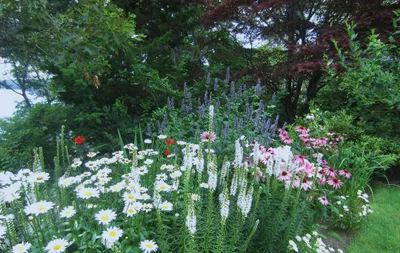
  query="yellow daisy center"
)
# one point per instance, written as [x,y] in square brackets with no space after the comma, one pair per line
[39,178]
[162,187]
[57,247]
[149,246]
[88,194]
[165,206]
[41,208]
[21,248]
[130,211]
[113,233]
[105,217]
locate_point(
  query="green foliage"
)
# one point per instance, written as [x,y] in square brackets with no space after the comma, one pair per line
[29,129]
[367,89]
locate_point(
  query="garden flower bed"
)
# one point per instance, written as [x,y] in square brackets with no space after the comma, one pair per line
[150,199]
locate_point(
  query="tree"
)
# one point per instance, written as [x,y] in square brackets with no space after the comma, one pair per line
[304,31]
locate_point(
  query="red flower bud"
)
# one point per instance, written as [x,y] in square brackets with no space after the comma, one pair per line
[167,153]
[79,140]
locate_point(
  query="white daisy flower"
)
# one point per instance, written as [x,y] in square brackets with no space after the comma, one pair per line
[147,141]
[105,216]
[161,177]
[130,146]
[142,170]
[162,186]
[204,185]
[110,236]
[38,177]
[162,137]
[131,197]
[68,212]
[57,246]
[147,207]
[145,196]
[92,154]
[92,165]
[176,174]
[170,167]
[148,162]
[195,197]
[133,187]
[132,208]
[76,163]
[38,208]
[148,246]
[88,192]
[21,247]
[166,206]
[116,188]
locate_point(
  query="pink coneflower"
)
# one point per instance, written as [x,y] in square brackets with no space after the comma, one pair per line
[321,173]
[284,175]
[301,129]
[306,184]
[345,173]
[335,182]
[300,159]
[287,140]
[206,136]
[330,172]
[284,136]
[323,200]
[322,181]
[309,169]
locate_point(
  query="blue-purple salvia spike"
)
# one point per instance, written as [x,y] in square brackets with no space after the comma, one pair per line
[258,87]
[268,143]
[227,76]
[183,106]
[233,92]
[206,97]
[148,130]
[236,124]
[208,79]
[216,84]
[274,97]
[268,124]
[284,125]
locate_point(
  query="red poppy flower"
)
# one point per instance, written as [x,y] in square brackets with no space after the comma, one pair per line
[167,153]
[170,142]
[79,140]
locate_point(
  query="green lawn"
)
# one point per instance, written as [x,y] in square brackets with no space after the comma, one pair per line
[381,231]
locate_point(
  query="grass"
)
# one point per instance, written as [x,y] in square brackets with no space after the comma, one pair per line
[381,231]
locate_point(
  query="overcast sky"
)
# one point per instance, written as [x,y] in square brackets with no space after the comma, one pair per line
[8,99]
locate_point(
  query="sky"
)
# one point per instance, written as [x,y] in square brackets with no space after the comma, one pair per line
[8,98]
